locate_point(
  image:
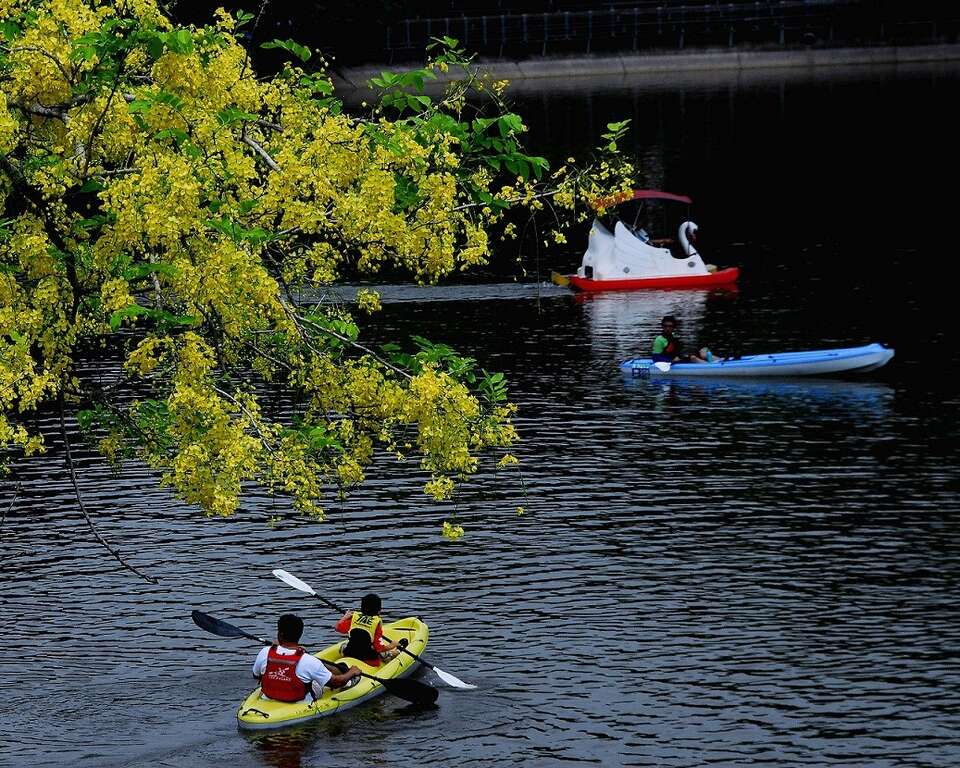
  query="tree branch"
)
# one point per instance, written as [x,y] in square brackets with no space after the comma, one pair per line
[93,528]
[16,494]
[260,151]
[45,52]
[301,321]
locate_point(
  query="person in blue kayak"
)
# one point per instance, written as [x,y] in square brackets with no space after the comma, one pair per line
[667,347]
[288,673]
[365,631]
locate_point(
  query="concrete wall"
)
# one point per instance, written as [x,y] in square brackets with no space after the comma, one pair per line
[689,61]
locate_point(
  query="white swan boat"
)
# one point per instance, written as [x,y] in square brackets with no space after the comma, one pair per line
[628,258]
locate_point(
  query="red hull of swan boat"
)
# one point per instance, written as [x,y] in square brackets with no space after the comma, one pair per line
[720,277]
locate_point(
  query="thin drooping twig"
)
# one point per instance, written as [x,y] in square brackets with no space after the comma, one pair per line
[253,30]
[299,321]
[254,421]
[93,528]
[16,494]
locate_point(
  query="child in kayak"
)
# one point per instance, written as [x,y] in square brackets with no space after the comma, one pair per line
[288,673]
[365,631]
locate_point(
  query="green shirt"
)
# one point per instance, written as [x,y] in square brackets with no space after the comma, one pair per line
[660,344]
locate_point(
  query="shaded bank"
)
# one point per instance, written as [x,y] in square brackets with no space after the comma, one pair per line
[560,69]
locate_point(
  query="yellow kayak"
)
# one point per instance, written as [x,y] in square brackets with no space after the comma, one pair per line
[258,712]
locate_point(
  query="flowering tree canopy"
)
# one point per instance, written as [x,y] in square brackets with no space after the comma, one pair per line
[155,190]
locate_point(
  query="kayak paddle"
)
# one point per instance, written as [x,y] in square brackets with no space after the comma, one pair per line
[293,581]
[662,366]
[412,690]
[221,628]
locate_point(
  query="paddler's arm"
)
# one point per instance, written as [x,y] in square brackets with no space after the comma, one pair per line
[378,645]
[260,664]
[342,678]
[343,626]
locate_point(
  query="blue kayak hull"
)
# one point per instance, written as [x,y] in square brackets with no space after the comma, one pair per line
[822,362]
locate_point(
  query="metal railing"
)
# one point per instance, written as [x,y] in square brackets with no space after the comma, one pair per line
[649,25]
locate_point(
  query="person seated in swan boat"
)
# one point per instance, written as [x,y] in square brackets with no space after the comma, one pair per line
[667,348]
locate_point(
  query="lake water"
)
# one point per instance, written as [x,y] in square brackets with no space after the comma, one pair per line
[758,573]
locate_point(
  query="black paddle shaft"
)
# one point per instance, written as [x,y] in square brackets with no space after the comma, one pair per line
[327,603]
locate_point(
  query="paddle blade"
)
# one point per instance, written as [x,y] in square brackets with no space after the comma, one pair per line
[215,626]
[661,366]
[453,680]
[293,581]
[221,628]
[412,690]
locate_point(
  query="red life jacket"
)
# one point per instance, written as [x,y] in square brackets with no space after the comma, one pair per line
[673,345]
[279,680]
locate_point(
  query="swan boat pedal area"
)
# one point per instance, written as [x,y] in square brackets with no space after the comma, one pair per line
[641,251]
[260,713]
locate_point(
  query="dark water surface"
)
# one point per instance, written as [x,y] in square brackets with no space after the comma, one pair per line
[706,573]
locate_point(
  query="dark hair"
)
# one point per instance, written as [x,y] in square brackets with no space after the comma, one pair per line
[289,628]
[668,319]
[370,605]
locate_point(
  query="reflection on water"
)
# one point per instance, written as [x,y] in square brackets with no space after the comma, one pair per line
[623,323]
[283,749]
[820,397]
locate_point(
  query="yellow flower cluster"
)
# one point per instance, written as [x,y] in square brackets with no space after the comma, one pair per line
[368,301]
[452,531]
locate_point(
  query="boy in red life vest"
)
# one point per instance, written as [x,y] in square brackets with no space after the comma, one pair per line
[288,673]
[365,630]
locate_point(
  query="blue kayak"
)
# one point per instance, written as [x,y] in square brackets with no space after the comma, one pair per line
[821,362]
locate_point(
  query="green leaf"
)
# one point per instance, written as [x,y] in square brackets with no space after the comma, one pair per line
[155,45]
[510,124]
[91,185]
[236,232]
[128,312]
[290,46]
[445,42]
[480,124]
[406,192]
[141,270]
[170,99]
[9,31]
[230,115]
[179,136]
[493,387]
[321,438]
[180,41]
